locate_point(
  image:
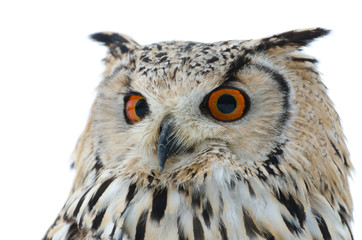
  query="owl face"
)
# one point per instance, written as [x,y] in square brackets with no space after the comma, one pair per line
[164,106]
[229,140]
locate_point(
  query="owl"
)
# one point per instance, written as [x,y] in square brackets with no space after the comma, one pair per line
[226,140]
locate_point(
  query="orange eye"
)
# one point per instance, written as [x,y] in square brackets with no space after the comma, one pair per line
[227,104]
[135,109]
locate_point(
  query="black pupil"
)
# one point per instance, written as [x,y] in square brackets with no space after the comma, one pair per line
[226,103]
[141,108]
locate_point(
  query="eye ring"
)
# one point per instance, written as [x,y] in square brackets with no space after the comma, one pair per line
[135,108]
[226,104]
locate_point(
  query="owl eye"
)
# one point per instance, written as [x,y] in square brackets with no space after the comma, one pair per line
[227,104]
[135,109]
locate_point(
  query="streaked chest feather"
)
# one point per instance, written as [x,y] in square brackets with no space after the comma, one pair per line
[211,207]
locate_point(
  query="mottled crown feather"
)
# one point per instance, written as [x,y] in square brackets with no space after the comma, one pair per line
[120,44]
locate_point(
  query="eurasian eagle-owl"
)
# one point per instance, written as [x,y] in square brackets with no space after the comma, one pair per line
[225,140]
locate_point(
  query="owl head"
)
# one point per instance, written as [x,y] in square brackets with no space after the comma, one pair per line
[179,110]
[225,140]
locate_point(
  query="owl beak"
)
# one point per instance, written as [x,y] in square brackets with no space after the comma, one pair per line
[167,142]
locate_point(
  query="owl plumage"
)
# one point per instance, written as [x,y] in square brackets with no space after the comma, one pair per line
[157,162]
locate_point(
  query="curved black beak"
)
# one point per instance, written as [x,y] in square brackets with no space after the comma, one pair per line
[167,142]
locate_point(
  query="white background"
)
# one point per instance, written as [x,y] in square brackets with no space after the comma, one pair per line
[49,70]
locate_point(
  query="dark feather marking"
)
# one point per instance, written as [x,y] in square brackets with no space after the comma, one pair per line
[161,54]
[274,159]
[342,213]
[196,199]
[312,60]
[251,190]
[99,193]
[193,174]
[123,49]
[231,184]
[72,232]
[250,227]
[306,186]
[350,232]
[238,177]
[98,219]
[109,39]
[213,59]
[98,163]
[322,225]
[291,226]
[221,203]
[295,209]
[129,197]
[163,59]
[181,189]
[159,204]
[335,149]
[222,229]
[261,175]
[240,62]
[198,230]
[283,87]
[141,226]
[268,235]
[189,46]
[146,59]
[207,213]
[113,41]
[150,179]
[291,38]
[77,208]
[131,192]
[113,230]
[345,161]
[141,69]
[185,60]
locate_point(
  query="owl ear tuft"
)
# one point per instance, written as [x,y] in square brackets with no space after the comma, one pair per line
[291,39]
[118,44]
